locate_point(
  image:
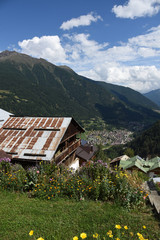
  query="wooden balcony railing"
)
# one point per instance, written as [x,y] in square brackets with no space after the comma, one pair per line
[67,152]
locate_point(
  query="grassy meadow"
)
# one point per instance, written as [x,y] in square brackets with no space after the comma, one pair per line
[47,202]
[64,219]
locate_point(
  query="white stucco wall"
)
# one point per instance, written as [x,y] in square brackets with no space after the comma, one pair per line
[75,164]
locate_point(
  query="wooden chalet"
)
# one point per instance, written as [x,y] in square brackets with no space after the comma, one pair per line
[30,140]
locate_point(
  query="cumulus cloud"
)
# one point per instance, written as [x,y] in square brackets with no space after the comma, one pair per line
[139,78]
[112,64]
[47,47]
[82,47]
[81,50]
[129,64]
[84,20]
[137,8]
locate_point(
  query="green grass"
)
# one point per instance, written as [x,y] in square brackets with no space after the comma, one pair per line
[64,219]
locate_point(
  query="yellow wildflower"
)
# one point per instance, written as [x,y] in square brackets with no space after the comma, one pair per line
[109,232]
[75,238]
[83,235]
[117,238]
[111,236]
[144,226]
[131,233]
[95,235]
[125,227]
[139,235]
[31,233]
[118,226]
[40,238]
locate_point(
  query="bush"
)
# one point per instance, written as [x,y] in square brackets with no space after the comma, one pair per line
[5,164]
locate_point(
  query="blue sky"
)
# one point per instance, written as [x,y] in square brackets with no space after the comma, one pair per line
[114,41]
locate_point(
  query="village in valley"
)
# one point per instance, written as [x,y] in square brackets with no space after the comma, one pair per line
[98,132]
[112,137]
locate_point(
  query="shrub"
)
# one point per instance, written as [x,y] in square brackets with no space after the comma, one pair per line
[32,177]
[5,164]
[128,191]
[94,170]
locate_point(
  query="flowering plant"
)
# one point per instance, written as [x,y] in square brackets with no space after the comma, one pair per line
[5,164]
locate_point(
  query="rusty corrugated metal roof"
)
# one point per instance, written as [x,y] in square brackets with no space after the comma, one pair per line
[33,138]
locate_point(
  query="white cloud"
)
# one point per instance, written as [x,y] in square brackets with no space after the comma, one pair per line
[82,51]
[128,64]
[121,53]
[83,46]
[84,20]
[140,78]
[109,64]
[137,8]
[151,39]
[147,52]
[47,47]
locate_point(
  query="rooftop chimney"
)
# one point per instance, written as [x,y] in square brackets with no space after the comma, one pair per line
[91,148]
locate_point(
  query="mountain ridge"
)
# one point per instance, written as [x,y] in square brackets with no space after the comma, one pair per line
[36,87]
[154,96]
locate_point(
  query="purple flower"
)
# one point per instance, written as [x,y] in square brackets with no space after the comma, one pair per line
[5,159]
[105,165]
[100,161]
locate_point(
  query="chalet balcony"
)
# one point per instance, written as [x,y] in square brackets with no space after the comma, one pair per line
[68,151]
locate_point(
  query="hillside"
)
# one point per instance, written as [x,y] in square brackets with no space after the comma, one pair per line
[30,86]
[129,96]
[147,144]
[154,96]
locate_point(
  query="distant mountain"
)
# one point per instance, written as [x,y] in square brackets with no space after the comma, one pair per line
[148,143]
[154,96]
[35,87]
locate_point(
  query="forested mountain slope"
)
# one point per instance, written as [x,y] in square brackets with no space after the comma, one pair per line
[148,143]
[35,87]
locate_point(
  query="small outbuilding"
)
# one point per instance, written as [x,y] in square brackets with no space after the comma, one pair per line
[150,167]
[116,161]
[86,152]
